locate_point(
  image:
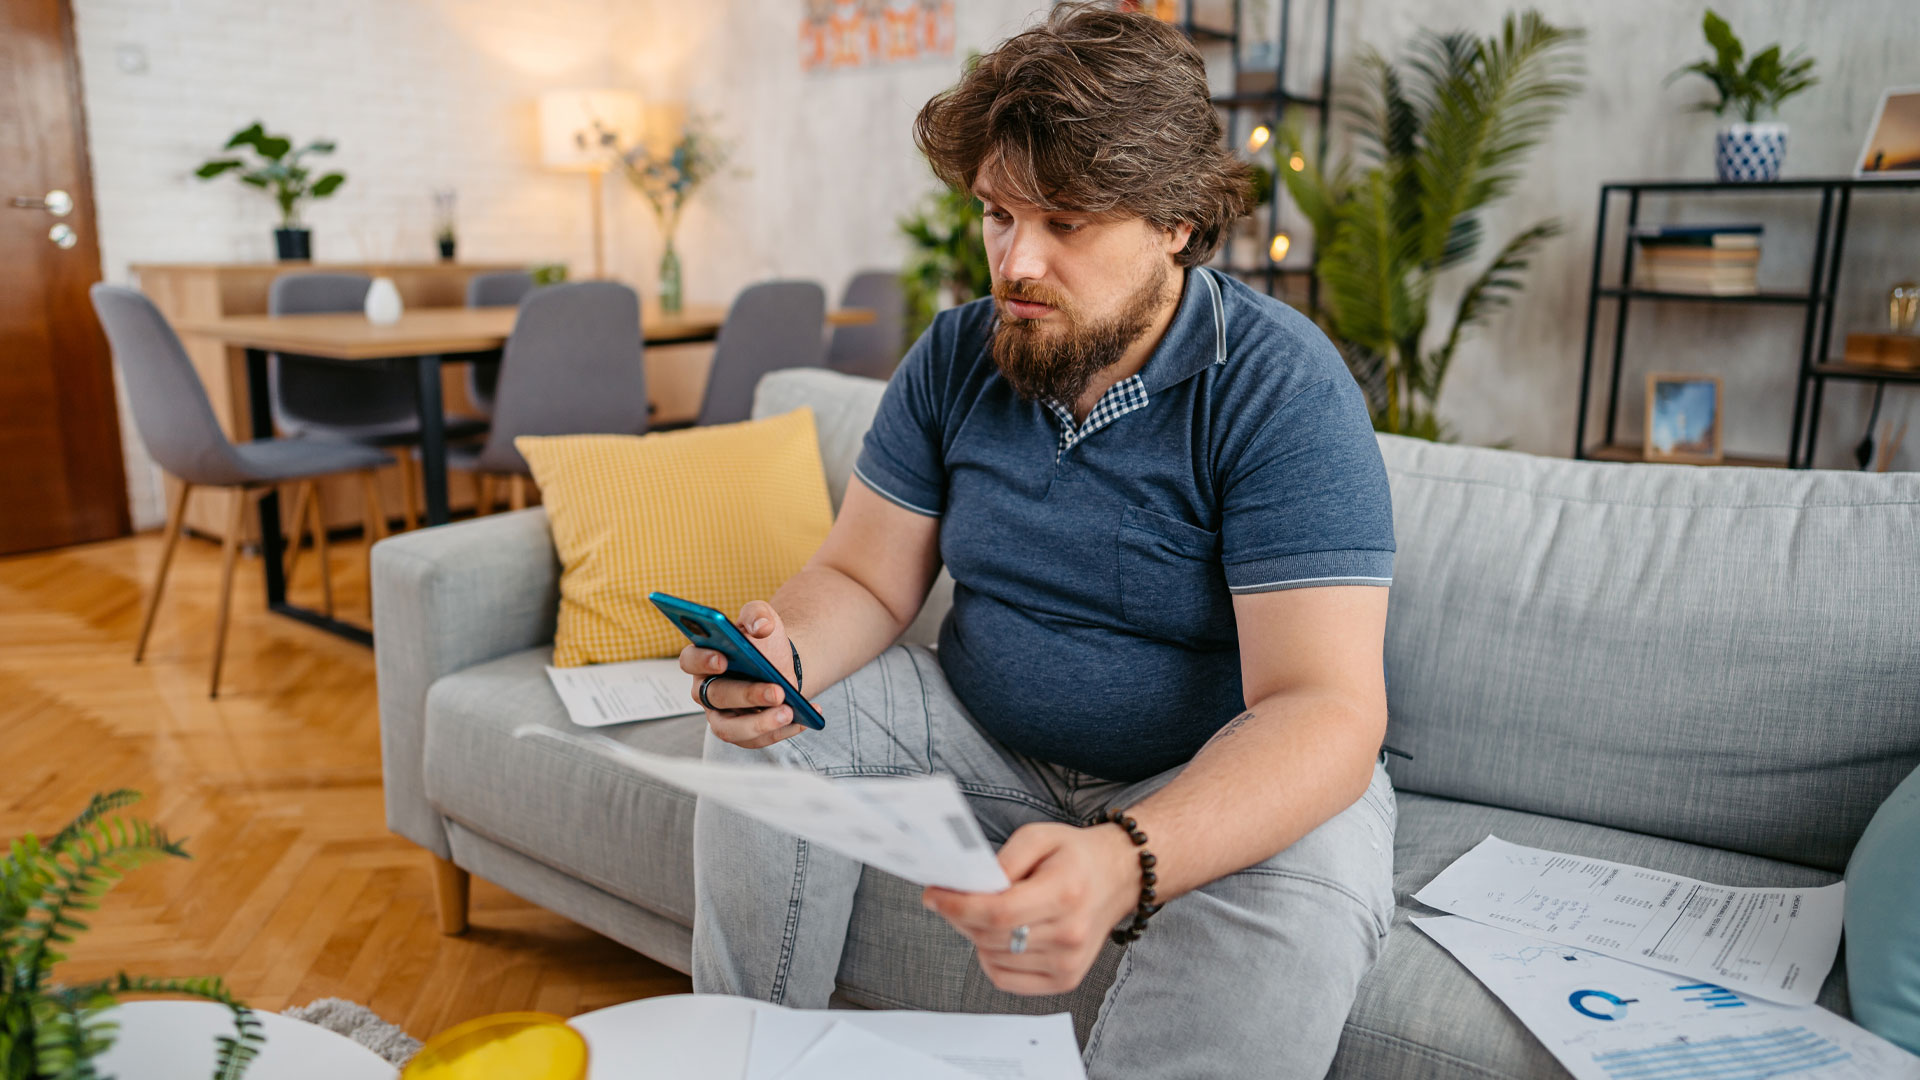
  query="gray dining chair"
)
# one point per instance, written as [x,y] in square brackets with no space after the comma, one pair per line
[872,350]
[572,366]
[176,422]
[772,325]
[501,288]
[372,402]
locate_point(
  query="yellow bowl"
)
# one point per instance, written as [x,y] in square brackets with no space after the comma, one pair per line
[505,1046]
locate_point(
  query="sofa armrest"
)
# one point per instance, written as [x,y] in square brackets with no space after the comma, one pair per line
[445,599]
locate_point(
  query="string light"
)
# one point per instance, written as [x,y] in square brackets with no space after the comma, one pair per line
[1297,163]
[1259,139]
[1278,249]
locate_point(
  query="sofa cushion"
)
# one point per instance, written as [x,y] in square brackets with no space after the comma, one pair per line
[1725,656]
[721,515]
[1421,1015]
[617,830]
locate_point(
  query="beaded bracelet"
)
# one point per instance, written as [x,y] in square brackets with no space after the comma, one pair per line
[1137,922]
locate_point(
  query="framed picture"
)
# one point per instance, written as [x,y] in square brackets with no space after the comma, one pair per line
[1683,419]
[1893,142]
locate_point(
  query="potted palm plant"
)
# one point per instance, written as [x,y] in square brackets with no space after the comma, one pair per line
[52,1031]
[279,172]
[1751,148]
[1440,137]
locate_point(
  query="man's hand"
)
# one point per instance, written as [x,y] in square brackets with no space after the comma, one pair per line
[747,714]
[1070,887]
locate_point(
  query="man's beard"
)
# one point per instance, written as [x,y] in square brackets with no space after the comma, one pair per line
[1044,366]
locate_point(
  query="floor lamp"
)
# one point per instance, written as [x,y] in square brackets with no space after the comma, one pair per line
[585,131]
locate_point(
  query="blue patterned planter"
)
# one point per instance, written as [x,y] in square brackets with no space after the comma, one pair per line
[1747,153]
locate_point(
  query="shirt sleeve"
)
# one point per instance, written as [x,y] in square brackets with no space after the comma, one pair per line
[1306,503]
[902,458]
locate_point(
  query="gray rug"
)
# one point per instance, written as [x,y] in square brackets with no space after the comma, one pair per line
[362,1025]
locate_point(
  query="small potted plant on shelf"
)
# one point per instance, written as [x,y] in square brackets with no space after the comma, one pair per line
[48,1029]
[280,173]
[443,230]
[1753,147]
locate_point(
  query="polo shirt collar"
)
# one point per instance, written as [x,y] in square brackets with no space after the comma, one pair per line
[1196,338]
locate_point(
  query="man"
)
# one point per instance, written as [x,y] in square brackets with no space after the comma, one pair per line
[1168,523]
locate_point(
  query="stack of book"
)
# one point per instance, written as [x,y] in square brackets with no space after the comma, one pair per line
[1717,260]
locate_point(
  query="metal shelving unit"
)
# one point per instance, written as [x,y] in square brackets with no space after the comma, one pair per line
[1269,106]
[1818,300]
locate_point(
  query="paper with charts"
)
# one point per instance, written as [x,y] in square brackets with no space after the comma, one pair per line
[600,694]
[915,827]
[1776,944]
[1606,1019]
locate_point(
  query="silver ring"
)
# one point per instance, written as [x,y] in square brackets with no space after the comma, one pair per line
[1018,943]
[704,683]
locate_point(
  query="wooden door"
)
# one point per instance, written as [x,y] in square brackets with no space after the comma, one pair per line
[61,477]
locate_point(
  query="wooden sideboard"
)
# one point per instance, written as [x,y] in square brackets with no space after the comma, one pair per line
[198,292]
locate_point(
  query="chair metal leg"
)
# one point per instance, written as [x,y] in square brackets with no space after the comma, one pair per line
[409,490]
[229,552]
[450,892]
[484,505]
[517,492]
[375,524]
[302,495]
[320,547]
[176,515]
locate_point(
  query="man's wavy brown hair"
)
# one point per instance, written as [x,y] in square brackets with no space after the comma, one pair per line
[1099,112]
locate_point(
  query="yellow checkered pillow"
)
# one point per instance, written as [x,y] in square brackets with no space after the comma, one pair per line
[719,515]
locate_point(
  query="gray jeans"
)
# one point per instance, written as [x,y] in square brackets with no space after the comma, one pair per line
[1251,975]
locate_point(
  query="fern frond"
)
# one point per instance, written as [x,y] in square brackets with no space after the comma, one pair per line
[236,1051]
[97,807]
[97,856]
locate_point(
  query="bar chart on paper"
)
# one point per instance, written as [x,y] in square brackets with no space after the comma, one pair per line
[1606,1019]
[1782,1051]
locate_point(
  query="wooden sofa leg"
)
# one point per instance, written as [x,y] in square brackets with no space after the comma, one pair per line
[450,895]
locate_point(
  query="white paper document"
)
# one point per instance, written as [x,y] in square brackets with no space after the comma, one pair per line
[847,1052]
[915,827]
[1606,1019]
[602,694]
[1776,944]
[967,1045]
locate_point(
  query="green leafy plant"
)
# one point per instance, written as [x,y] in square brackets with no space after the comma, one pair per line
[1440,138]
[278,172]
[1754,90]
[946,256]
[549,273]
[50,1031]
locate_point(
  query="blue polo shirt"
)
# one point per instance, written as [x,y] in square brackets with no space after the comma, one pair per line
[1094,568]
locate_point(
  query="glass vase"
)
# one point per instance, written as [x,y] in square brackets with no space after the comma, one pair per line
[670,295]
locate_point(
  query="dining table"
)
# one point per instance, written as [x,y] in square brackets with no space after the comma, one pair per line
[426,338]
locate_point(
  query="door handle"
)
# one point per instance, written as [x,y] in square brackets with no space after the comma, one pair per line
[55,202]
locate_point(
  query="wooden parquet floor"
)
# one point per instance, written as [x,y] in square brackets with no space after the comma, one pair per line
[296,890]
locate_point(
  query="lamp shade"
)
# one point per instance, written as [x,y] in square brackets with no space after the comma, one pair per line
[581,130]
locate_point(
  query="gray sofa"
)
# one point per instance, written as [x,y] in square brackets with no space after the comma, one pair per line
[1714,672]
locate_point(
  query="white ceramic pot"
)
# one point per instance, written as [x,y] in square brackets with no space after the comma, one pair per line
[1748,153]
[383,302]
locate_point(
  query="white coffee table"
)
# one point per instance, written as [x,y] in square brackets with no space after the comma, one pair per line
[173,1040]
[667,1038]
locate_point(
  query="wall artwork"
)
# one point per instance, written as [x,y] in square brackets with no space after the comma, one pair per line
[841,34]
[1683,419]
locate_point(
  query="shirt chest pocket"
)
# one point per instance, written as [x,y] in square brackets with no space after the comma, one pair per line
[1171,583]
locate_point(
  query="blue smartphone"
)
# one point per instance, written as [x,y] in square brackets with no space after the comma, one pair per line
[709,629]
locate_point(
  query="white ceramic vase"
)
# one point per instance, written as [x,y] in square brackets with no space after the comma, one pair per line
[383,302]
